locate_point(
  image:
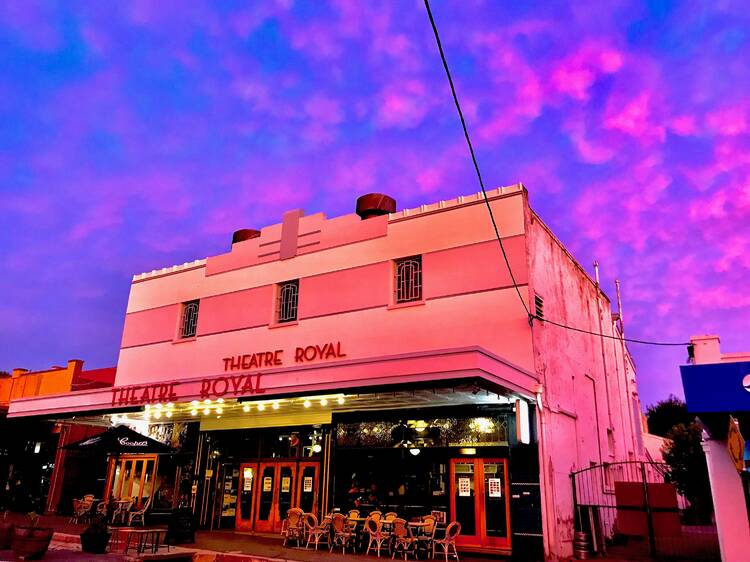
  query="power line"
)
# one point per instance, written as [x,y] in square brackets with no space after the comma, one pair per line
[474,158]
[492,216]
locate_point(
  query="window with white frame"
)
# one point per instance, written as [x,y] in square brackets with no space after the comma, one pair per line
[189,320]
[408,281]
[287,301]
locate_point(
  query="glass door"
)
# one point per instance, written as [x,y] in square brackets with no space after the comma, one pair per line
[247,484]
[132,476]
[307,487]
[275,494]
[479,501]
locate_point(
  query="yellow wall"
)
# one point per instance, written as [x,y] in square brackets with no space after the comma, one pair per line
[23,383]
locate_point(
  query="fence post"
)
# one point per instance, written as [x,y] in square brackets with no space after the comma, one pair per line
[576,514]
[649,515]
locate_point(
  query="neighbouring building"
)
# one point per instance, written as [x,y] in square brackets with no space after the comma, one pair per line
[717,390]
[378,359]
[29,448]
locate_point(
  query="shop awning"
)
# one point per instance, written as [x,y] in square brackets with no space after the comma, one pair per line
[120,440]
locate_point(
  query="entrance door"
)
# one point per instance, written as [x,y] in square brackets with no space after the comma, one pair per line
[479,501]
[247,485]
[275,494]
[307,487]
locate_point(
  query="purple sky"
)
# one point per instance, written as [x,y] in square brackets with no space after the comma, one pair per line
[136,135]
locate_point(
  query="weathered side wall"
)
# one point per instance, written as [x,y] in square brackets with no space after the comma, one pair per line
[587,397]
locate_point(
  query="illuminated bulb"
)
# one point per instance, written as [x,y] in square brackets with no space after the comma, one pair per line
[157,415]
[206,411]
[323,402]
[169,413]
[317,448]
[219,411]
[207,401]
[193,402]
[220,400]
[261,407]
[147,407]
[414,452]
[275,406]
[307,403]
[217,417]
[340,400]
[158,406]
[193,412]
[114,418]
[246,408]
[170,404]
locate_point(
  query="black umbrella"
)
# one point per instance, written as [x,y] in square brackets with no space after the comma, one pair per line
[120,440]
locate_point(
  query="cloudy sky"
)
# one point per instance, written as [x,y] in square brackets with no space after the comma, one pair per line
[139,134]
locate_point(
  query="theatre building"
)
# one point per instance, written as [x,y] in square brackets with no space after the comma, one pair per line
[383,358]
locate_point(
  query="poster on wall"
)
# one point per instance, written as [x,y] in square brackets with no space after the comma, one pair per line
[496,488]
[464,487]
[307,484]
[267,484]
[286,484]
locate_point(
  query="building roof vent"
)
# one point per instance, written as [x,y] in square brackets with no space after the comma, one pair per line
[374,205]
[244,234]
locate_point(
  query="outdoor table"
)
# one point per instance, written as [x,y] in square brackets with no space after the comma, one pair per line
[144,538]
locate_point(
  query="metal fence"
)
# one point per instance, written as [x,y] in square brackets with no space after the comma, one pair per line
[629,509]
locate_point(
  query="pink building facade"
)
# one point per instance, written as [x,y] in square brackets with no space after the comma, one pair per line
[390,342]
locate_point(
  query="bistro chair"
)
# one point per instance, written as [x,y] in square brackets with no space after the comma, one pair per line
[354,514]
[343,534]
[449,542]
[390,516]
[316,533]
[376,515]
[377,535]
[428,532]
[121,511]
[293,527]
[81,508]
[140,513]
[403,539]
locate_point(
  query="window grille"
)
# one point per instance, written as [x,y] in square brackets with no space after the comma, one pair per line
[288,299]
[189,324]
[409,279]
[539,307]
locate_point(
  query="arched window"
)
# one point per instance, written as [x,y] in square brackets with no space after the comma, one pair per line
[409,279]
[286,310]
[189,324]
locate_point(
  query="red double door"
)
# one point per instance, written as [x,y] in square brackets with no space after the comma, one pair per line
[480,502]
[267,490]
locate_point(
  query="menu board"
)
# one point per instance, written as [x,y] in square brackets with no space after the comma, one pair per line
[307,484]
[496,487]
[464,487]
[286,484]
[267,484]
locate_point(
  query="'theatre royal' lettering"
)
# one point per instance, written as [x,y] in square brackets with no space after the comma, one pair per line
[331,350]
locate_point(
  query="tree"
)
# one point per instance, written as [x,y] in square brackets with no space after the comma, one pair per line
[665,414]
[684,455]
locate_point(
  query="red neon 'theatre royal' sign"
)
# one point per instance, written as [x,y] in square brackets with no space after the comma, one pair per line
[220,386]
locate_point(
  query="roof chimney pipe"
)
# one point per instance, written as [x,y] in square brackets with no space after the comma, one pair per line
[374,205]
[244,234]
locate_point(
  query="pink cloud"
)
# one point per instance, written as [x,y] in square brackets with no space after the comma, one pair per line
[635,118]
[577,72]
[403,104]
[729,120]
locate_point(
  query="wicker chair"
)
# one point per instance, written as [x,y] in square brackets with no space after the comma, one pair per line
[376,515]
[449,542]
[390,516]
[293,527]
[428,532]
[121,511]
[140,514]
[343,534]
[81,508]
[316,534]
[377,537]
[403,541]
[354,513]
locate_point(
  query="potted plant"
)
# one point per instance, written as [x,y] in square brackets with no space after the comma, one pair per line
[95,537]
[6,532]
[30,542]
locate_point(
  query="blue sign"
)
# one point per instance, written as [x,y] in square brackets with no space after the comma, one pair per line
[717,387]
